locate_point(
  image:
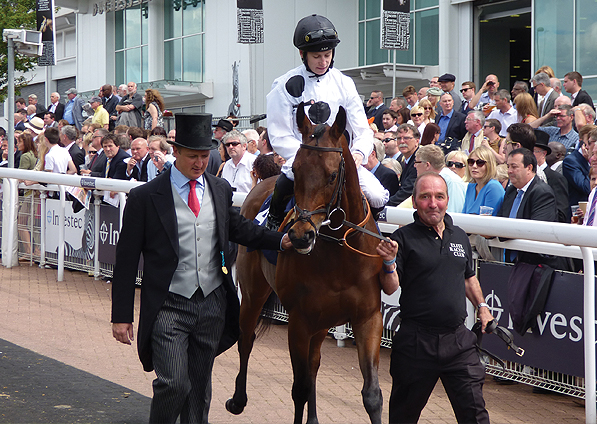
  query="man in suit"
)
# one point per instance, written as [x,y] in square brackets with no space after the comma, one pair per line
[407,137]
[542,86]
[386,176]
[109,101]
[98,162]
[527,197]
[576,170]
[555,180]
[73,110]
[573,85]
[69,136]
[447,83]
[136,167]
[468,92]
[187,316]
[39,109]
[56,107]
[115,166]
[452,125]
[376,108]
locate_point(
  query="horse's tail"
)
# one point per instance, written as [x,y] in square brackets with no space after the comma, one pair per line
[266,319]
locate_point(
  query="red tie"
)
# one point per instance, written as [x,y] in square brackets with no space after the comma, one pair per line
[193,200]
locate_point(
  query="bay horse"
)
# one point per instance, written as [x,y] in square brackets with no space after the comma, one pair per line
[328,279]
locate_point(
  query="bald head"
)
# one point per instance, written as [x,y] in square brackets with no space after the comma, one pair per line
[139,149]
[561,101]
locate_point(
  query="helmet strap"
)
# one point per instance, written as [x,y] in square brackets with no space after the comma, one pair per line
[303,54]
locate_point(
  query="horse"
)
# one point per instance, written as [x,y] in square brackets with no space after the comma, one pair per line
[328,279]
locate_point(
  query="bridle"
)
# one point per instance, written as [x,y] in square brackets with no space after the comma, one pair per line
[335,217]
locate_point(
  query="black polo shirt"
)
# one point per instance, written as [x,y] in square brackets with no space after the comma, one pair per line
[432,271]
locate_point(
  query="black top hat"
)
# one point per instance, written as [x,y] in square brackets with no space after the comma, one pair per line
[542,140]
[193,131]
[225,124]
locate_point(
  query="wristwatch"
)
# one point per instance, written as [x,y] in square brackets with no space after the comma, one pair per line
[480,305]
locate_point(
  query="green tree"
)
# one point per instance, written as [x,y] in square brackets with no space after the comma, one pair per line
[15,14]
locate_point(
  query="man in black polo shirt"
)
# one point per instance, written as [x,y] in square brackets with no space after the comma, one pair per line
[431,260]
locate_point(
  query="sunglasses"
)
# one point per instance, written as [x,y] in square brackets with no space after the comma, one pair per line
[93,152]
[232,143]
[427,108]
[387,140]
[465,89]
[479,162]
[458,165]
[416,114]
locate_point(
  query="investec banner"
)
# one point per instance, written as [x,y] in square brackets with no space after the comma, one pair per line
[557,342]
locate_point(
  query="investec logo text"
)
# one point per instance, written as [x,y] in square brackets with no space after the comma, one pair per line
[108,233]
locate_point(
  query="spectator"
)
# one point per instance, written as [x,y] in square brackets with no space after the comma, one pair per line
[394,165]
[100,115]
[109,101]
[39,109]
[376,108]
[526,108]
[555,180]
[34,126]
[386,177]
[115,166]
[389,120]
[502,175]
[69,138]
[422,94]
[474,137]
[129,107]
[483,189]
[447,82]
[410,95]
[161,159]
[56,107]
[397,103]
[430,158]
[171,136]
[576,170]
[252,138]
[136,167]
[26,146]
[429,115]
[556,158]
[583,114]
[503,111]
[237,170]
[430,134]
[97,167]
[121,129]
[154,105]
[542,86]
[491,131]
[467,89]
[408,144]
[263,144]
[433,82]
[573,85]
[485,96]
[563,132]
[391,145]
[403,116]
[264,167]
[57,160]
[456,162]
[417,119]
[20,117]
[433,95]
[63,123]
[519,88]
[50,120]
[451,124]
[556,84]
[520,135]
[20,103]
[31,113]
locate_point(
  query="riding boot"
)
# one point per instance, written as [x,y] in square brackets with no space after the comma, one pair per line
[282,193]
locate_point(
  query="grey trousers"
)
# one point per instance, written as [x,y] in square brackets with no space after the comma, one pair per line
[184,341]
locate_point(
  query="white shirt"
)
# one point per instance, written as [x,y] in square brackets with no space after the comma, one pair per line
[456,190]
[57,160]
[239,175]
[333,88]
[506,119]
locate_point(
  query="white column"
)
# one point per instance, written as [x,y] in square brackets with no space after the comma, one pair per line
[155,40]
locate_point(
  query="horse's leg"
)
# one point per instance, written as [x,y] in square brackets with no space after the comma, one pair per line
[368,339]
[255,292]
[299,347]
[314,362]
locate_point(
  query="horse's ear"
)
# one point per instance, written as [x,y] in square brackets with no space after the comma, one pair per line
[339,124]
[302,121]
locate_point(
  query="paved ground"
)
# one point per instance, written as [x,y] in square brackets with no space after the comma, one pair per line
[60,364]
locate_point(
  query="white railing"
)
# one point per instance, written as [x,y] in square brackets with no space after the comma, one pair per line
[541,237]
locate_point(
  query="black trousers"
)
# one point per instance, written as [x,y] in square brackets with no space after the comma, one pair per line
[421,356]
[184,340]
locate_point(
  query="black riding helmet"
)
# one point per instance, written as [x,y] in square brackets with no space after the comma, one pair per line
[315,33]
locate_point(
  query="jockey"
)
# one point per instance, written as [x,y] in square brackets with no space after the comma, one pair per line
[323,89]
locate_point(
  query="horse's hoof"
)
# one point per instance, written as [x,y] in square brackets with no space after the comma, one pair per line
[233,408]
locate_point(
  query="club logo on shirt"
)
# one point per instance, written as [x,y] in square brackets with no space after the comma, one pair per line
[457,250]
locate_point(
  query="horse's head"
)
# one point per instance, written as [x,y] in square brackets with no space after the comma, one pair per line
[319,177]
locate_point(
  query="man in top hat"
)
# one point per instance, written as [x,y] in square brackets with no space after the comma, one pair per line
[555,180]
[181,222]
[447,83]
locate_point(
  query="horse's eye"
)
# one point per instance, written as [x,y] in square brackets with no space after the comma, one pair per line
[333,177]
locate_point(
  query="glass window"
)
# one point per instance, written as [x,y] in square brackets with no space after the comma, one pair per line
[172,20]
[130,27]
[553,35]
[374,53]
[192,53]
[406,56]
[119,65]
[173,60]
[420,4]
[144,65]
[586,34]
[361,10]
[133,65]
[133,26]
[590,86]
[373,9]
[191,20]
[426,37]
[119,29]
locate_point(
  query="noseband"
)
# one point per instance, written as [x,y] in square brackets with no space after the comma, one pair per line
[304,215]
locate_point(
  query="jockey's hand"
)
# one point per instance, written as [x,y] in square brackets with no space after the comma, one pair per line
[358,158]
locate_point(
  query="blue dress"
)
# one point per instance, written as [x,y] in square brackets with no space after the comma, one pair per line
[492,195]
